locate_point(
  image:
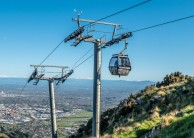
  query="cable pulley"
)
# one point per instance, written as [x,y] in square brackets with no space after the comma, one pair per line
[118,39]
[74,34]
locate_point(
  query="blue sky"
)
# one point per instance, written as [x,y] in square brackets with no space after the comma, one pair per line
[29,30]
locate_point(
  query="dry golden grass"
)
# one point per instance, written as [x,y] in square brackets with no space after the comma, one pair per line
[161,93]
[167,119]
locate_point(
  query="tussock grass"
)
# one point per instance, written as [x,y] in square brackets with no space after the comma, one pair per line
[164,110]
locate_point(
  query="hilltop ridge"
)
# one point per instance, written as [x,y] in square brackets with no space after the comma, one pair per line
[165,109]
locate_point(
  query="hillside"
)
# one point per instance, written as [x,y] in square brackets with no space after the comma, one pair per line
[162,110]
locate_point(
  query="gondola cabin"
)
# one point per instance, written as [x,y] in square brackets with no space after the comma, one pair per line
[120,65]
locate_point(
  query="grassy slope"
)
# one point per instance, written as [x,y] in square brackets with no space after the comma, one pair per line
[173,115]
[163,111]
[181,125]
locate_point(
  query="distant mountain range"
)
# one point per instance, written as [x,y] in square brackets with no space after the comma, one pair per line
[77,84]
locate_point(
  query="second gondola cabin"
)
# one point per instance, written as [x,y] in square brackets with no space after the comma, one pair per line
[119,65]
